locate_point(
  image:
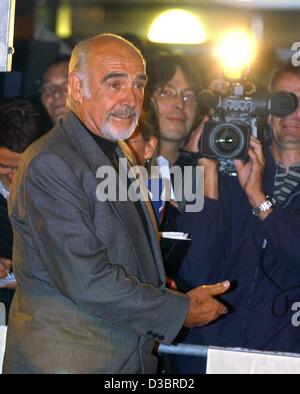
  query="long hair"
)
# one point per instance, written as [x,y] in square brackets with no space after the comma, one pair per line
[160,71]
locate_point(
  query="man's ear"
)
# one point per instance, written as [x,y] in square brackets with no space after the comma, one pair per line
[75,87]
[150,148]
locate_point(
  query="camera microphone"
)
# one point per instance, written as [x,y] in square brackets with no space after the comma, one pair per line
[281,104]
[278,104]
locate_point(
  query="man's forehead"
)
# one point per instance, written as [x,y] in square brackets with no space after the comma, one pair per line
[117,54]
[57,71]
[180,80]
[289,82]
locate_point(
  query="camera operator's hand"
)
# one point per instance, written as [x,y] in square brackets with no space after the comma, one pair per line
[251,176]
[211,175]
[204,308]
[193,142]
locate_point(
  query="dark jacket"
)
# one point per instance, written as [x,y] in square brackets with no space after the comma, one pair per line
[261,259]
[6,239]
[5,231]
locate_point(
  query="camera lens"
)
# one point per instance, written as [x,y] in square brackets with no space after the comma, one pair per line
[227,140]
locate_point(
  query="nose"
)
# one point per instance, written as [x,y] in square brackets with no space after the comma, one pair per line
[59,90]
[295,114]
[178,101]
[130,97]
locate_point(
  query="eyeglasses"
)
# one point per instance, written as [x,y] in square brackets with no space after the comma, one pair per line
[50,89]
[170,94]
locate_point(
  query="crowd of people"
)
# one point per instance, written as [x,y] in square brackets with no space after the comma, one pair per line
[92,295]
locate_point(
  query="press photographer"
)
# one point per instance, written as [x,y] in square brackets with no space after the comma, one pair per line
[241,234]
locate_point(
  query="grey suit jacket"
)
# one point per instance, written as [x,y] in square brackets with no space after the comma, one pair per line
[91,296]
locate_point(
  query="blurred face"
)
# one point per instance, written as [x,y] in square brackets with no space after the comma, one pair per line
[54,91]
[176,108]
[9,162]
[286,131]
[116,80]
[7,179]
[219,86]
[142,149]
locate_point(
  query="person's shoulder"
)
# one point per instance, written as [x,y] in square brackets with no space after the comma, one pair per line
[54,142]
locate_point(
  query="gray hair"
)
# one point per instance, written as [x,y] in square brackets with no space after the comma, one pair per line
[78,64]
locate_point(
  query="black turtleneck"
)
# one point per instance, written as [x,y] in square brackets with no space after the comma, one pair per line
[109,148]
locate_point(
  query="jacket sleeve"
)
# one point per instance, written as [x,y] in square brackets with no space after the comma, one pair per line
[61,225]
[280,234]
[202,262]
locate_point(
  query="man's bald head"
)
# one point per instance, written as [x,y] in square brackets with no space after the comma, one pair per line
[106,85]
[100,45]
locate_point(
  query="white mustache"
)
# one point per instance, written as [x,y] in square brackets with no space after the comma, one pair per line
[126,113]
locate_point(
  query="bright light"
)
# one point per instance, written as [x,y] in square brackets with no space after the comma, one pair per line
[236,52]
[64,21]
[177,26]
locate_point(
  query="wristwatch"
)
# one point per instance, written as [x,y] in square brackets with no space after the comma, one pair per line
[265,206]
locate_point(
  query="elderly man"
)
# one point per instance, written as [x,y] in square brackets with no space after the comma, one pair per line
[91,294]
[253,242]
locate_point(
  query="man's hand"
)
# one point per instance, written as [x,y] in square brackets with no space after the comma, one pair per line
[5,267]
[251,174]
[211,177]
[8,160]
[204,308]
[193,142]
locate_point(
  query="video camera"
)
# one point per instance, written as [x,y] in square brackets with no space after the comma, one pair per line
[235,118]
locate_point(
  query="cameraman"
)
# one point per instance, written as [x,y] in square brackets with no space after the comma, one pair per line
[260,254]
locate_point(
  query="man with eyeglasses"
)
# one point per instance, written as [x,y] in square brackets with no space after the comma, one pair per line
[174,88]
[174,111]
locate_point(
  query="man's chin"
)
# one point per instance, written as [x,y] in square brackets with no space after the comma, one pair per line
[118,133]
[174,136]
[58,116]
[289,145]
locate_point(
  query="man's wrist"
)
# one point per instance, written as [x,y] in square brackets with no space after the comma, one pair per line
[264,208]
[256,199]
